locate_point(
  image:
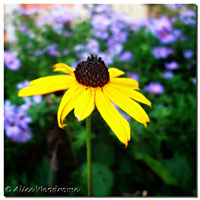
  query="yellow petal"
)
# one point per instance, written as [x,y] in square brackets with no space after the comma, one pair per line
[47,85]
[84,104]
[61,67]
[129,82]
[126,104]
[51,80]
[114,72]
[68,102]
[115,121]
[131,93]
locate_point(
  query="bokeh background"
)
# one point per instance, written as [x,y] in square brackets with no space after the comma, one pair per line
[154,44]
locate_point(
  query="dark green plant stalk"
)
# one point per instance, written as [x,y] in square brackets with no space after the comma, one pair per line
[89,159]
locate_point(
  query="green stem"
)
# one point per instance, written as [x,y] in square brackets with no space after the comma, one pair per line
[89,159]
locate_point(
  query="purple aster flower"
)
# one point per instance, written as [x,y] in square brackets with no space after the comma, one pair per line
[52,50]
[188,17]
[162,52]
[100,22]
[99,8]
[138,24]
[61,15]
[172,65]
[38,53]
[101,34]
[168,75]
[115,49]
[108,59]
[37,99]
[194,80]
[16,122]
[133,76]
[188,54]
[9,109]
[126,56]
[79,47]
[161,24]
[11,61]
[93,46]
[84,56]
[154,88]
[166,37]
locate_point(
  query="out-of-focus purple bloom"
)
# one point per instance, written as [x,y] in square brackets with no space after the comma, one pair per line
[100,22]
[194,80]
[120,37]
[38,53]
[11,61]
[161,24]
[23,84]
[162,52]
[166,37]
[52,50]
[79,47]
[65,52]
[83,56]
[37,99]
[188,17]
[30,11]
[101,34]
[16,122]
[107,58]
[174,6]
[168,75]
[115,49]
[126,56]
[23,28]
[188,54]
[101,8]
[93,46]
[172,65]
[138,24]
[154,88]
[133,76]
[61,15]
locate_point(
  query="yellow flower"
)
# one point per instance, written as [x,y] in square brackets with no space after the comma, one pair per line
[90,84]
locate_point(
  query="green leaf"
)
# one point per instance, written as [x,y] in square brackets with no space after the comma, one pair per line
[158,167]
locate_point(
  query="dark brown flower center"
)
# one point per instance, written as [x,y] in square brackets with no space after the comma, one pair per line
[92,72]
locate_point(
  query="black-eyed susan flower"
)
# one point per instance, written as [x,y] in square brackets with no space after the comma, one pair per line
[90,84]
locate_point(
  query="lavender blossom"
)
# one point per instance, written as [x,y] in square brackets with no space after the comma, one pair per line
[162,52]
[100,22]
[79,47]
[188,17]
[52,50]
[188,54]
[16,122]
[154,88]
[126,56]
[172,65]
[168,75]
[11,61]
[133,76]
[93,46]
